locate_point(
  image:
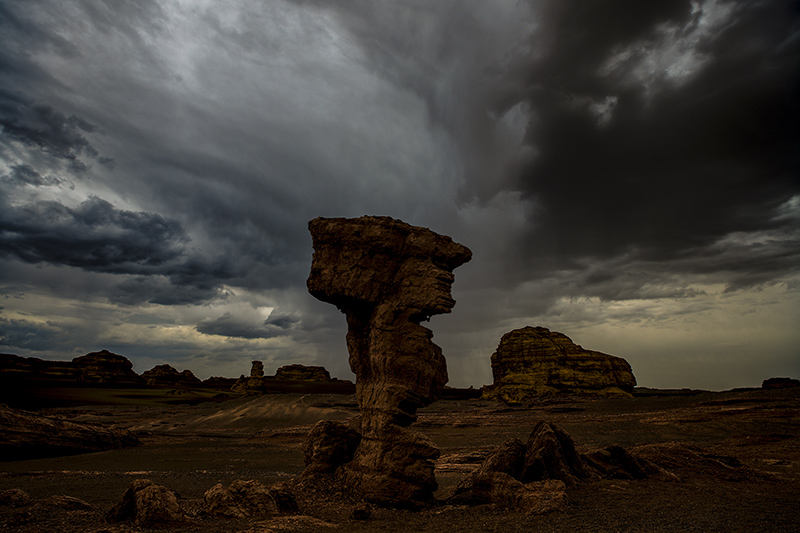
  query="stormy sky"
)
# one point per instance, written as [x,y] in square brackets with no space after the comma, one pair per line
[625,172]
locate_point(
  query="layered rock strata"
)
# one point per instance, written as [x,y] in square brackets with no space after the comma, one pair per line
[533,361]
[387,276]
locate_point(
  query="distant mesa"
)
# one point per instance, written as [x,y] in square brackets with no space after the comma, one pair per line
[96,367]
[303,373]
[533,361]
[780,383]
[168,375]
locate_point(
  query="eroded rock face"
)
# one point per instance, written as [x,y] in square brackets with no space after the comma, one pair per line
[387,276]
[533,361]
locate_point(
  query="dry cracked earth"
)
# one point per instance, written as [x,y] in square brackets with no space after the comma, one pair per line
[748,479]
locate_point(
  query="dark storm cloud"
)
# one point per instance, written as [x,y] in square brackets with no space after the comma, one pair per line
[26,175]
[655,129]
[29,335]
[227,325]
[97,237]
[655,167]
[94,236]
[42,126]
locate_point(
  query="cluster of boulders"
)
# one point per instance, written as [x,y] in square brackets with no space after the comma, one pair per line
[150,505]
[530,477]
[533,361]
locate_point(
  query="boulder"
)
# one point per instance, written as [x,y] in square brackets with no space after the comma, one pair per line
[550,454]
[303,373]
[147,504]
[387,276]
[14,498]
[329,445]
[168,375]
[533,361]
[25,435]
[245,499]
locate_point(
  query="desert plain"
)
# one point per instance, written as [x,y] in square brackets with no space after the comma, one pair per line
[736,468]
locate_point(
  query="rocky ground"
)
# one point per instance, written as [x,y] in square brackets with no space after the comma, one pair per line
[734,457]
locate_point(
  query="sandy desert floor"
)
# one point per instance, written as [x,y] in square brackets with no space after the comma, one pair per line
[189,449]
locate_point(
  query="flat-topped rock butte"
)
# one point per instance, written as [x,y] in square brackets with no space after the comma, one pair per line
[532,362]
[387,276]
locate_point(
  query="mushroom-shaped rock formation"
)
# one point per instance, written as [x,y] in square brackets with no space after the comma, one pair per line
[387,276]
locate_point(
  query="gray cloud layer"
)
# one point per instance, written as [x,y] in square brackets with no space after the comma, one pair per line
[169,157]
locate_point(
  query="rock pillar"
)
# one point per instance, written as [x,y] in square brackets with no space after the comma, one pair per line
[387,276]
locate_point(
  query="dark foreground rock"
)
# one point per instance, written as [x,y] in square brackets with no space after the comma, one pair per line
[147,504]
[387,276]
[533,477]
[25,435]
[245,499]
[533,361]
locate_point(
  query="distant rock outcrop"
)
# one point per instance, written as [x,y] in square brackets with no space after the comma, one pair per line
[303,373]
[106,367]
[168,375]
[780,383]
[387,276]
[257,383]
[533,361]
[25,435]
[96,367]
